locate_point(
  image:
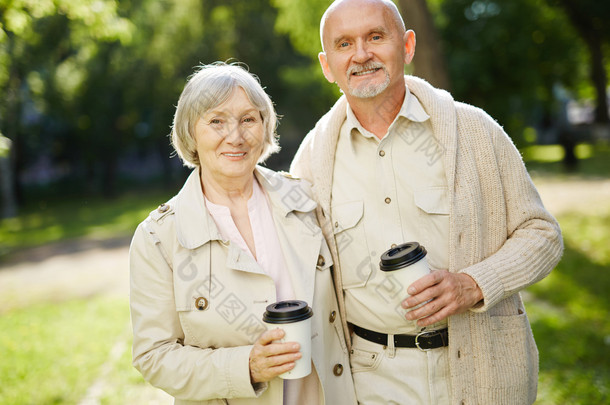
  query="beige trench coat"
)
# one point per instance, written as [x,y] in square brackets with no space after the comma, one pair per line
[197,301]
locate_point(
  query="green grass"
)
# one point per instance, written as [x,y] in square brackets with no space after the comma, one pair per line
[51,221]
[569,314]
[52,353]
[545,160]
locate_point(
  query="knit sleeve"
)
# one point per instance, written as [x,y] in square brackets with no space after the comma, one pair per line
[533,245]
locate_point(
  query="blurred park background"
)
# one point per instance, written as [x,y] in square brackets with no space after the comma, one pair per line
[87,94]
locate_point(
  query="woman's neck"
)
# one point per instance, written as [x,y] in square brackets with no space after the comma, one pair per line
[228,193]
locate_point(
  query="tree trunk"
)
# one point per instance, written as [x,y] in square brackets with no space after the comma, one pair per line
[599,78]
[585,26]
[429,61]
[9,201]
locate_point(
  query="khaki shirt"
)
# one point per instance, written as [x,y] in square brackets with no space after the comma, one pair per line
[396,193]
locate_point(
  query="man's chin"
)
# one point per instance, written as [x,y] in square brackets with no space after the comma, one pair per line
[368,91]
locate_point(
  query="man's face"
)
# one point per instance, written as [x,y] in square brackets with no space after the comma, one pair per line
[365,49]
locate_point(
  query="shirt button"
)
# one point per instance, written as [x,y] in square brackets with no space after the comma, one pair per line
[201,303]
[381,153]
[388,200]
[332,317]
[321,261]
[338,370]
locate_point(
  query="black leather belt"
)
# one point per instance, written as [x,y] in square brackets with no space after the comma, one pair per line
[423,341]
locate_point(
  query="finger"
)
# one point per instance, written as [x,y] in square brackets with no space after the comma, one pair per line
[429,308]
[274,349]
[435,277]
[265,368]
[434,318]
[270,335]
[274,371]
[428,294]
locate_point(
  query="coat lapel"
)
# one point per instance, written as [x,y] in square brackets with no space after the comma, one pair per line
[300,239]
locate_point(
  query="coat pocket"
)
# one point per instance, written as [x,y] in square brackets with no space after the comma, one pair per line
[350,236]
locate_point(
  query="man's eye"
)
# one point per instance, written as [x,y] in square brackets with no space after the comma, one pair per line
[376,37]
[343,44]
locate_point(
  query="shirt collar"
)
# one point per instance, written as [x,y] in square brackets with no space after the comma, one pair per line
[411,109]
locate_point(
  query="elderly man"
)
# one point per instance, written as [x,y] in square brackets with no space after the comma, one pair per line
[396,160]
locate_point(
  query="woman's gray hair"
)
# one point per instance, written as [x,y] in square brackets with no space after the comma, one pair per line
[210,86]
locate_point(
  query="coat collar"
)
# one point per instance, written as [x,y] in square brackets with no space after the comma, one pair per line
[194,224]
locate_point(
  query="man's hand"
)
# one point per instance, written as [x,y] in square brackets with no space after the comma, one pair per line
[450,294]
[268,359]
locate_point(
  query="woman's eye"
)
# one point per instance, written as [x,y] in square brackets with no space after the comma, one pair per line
[215,121]
[249,120]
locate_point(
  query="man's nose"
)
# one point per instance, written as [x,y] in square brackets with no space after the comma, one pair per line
[362,52]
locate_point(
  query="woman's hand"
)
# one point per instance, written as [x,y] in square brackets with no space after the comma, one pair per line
[268,359]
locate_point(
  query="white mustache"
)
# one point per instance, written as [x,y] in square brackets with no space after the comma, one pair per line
[363,68]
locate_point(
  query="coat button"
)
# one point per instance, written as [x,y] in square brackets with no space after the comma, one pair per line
[163,208]
[201,303]
[321,261]
[388,200]
[332,317]
[338,370]
[381,153]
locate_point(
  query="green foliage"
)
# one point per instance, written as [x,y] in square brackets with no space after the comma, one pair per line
[51,353]
[506,56]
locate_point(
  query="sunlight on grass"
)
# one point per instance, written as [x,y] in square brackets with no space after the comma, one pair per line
[543,153]
[52,353]
[569,311]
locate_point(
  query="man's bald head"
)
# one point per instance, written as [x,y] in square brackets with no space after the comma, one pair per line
[336,6]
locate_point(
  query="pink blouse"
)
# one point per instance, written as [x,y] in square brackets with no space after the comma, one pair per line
[266,242]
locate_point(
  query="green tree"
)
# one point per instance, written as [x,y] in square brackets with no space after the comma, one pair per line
[38,39]
[590,19]
[506,56]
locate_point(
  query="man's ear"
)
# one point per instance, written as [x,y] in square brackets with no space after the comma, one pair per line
[409,40]
[325,68]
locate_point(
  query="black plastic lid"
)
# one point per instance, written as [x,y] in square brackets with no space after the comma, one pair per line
[402,256]
[287,312]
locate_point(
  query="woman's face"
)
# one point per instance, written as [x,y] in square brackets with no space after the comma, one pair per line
[230,139]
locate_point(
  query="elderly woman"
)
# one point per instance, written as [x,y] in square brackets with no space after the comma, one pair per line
[236,238]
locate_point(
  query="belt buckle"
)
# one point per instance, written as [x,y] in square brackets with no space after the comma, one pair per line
[417,339]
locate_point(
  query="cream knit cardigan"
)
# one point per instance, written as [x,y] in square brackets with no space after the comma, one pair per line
[500,234]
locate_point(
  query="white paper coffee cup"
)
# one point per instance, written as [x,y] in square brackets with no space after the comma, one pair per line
[404,264]
[294,317]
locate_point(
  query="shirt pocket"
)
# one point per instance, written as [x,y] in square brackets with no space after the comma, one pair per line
[433,222]
[433,200]
[350,236]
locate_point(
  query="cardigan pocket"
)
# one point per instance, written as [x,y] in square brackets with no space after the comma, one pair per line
[350,236]
[512,358]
